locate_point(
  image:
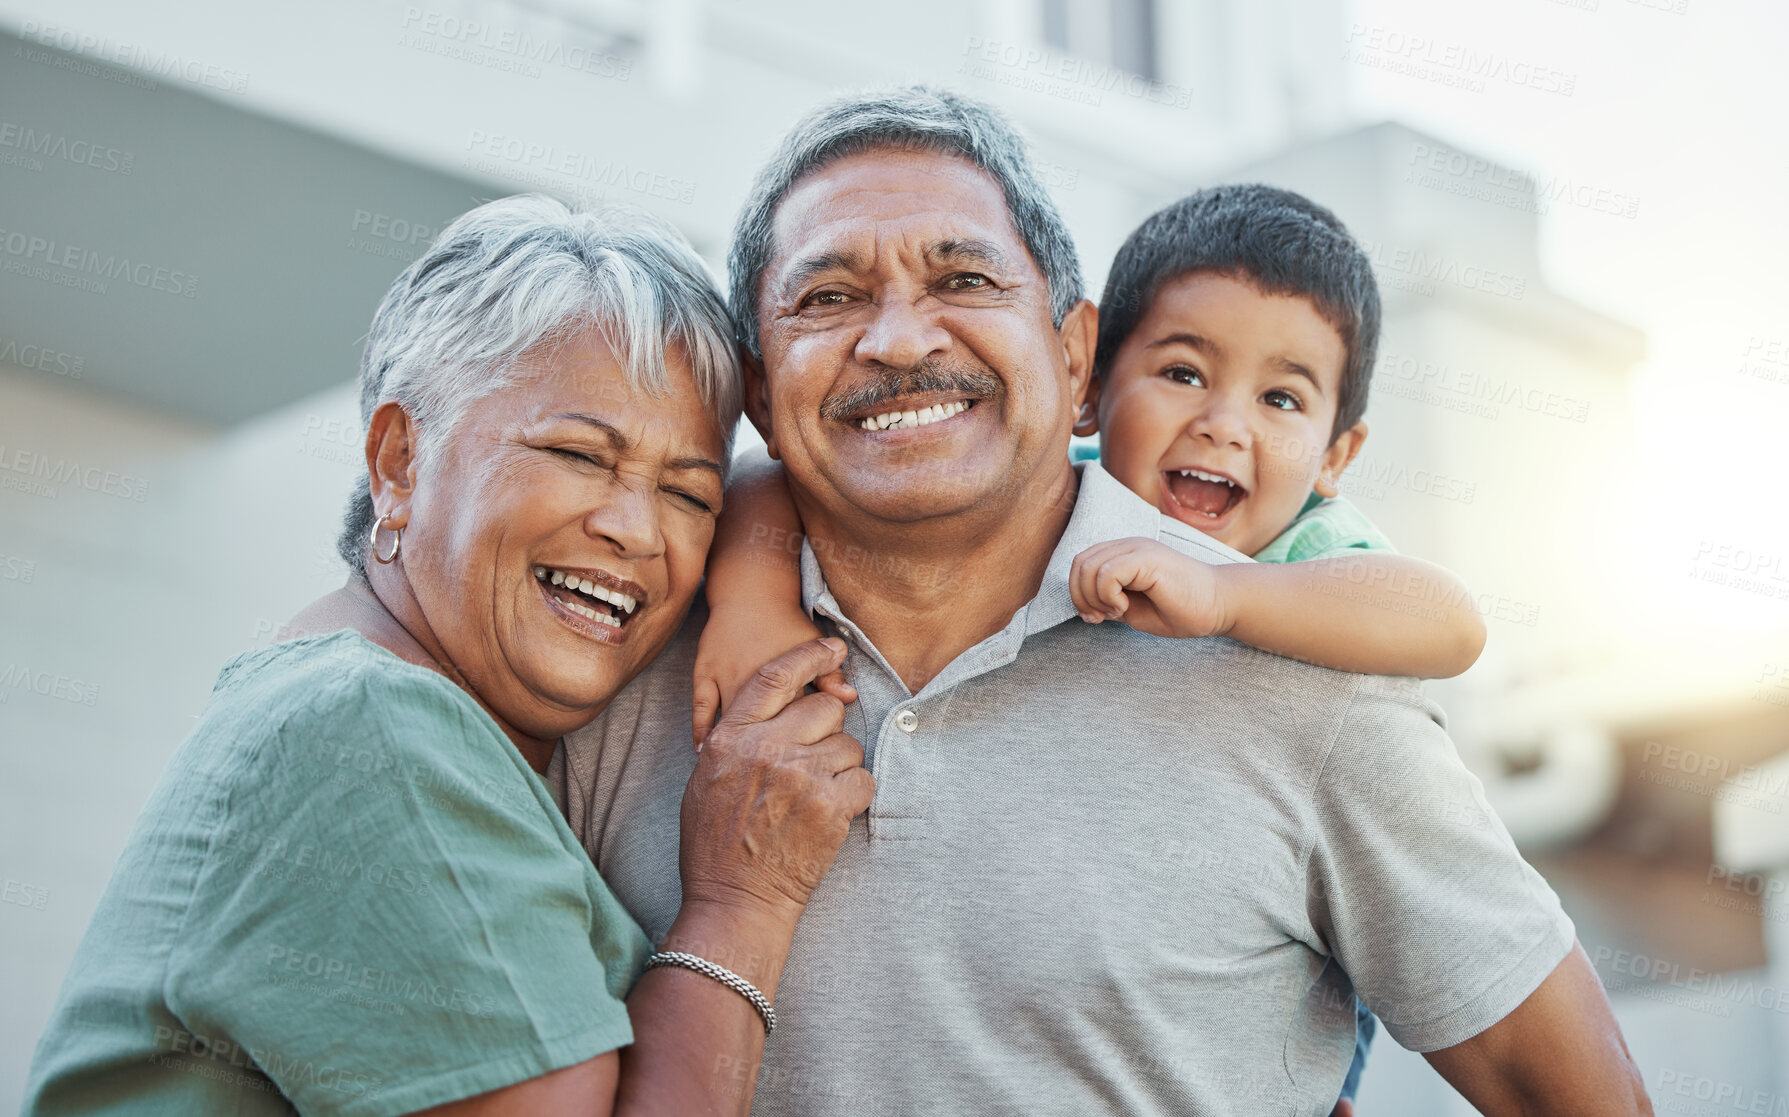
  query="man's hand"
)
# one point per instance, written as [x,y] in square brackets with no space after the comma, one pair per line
[1151,587]
[1559,1052]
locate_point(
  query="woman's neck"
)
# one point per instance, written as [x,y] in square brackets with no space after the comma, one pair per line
[388,615]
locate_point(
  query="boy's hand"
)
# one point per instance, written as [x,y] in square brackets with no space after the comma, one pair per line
[1151,587]
[736,642]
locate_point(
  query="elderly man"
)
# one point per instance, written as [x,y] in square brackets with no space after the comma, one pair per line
[1103,872]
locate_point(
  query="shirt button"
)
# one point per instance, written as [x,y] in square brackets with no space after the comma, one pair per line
[907,720]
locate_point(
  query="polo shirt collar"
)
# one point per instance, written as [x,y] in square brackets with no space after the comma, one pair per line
[1104,510]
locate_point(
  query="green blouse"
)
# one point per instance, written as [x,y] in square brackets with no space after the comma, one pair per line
[349,894]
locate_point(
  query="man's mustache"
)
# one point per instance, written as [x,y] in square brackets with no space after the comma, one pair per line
[928,376]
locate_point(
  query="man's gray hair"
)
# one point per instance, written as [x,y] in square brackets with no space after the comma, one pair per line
[913,118]
[525,272]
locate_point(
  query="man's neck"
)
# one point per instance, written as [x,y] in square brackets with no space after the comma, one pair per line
[926,594]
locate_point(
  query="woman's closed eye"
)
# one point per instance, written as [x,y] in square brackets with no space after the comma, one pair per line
[689,499]
[579,456]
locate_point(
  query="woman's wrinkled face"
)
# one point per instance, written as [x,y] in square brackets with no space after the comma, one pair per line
[557,537]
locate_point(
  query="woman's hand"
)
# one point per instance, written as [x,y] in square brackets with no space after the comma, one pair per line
[775,790]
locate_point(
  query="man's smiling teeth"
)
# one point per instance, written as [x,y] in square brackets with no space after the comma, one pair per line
[622,602]
[906,420]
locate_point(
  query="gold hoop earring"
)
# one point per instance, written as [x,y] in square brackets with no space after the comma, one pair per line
[397,543]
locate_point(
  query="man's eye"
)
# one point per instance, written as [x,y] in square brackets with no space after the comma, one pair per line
[967,281]
[1283,400]
[1181,374]
[826,298]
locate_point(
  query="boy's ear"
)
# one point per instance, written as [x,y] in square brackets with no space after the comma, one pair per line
[391,462]
[757,399]
[1079,334]
[1336,459]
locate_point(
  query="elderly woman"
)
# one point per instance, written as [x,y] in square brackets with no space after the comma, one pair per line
[352,891]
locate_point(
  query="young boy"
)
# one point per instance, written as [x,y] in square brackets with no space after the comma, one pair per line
[1236,342]
[1237,338]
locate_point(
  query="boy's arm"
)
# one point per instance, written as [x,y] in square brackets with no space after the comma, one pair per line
[1373,612]
[754,590]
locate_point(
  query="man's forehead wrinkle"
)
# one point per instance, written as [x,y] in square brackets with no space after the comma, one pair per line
[826,260]
[859,247]
[937,170]
[953,250]
[852,184]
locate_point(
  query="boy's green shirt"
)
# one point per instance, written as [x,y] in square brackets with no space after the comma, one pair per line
[1324,528]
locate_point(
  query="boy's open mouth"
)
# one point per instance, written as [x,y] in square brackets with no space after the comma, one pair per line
[584,594]
[1207,495]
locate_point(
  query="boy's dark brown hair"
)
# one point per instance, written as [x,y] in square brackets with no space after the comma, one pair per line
[1280,242]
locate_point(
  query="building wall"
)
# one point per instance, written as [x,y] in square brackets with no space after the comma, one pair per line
[115,618]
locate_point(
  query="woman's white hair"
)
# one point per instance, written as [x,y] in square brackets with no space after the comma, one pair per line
[521,272]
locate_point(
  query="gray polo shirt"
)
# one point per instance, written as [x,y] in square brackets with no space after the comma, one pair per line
[1106,872]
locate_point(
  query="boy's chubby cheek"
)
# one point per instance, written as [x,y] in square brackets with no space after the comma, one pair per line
[1281,491]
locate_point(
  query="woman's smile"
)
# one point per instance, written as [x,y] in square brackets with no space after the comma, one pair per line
[593,603]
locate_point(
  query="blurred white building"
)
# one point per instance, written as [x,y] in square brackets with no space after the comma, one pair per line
[208,203]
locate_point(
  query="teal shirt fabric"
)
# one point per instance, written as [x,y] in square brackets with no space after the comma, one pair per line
[349,894]
[1324,528]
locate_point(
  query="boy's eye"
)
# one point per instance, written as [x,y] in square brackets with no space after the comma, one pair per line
[1182,374]
[1283,400]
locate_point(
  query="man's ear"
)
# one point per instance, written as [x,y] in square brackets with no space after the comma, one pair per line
[391,461]
[1087,419]
[757,399]
[1079,334]
[1336,459]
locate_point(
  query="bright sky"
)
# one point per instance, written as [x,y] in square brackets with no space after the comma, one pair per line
[1681,104]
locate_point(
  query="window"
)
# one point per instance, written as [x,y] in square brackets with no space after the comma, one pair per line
[1117,33]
